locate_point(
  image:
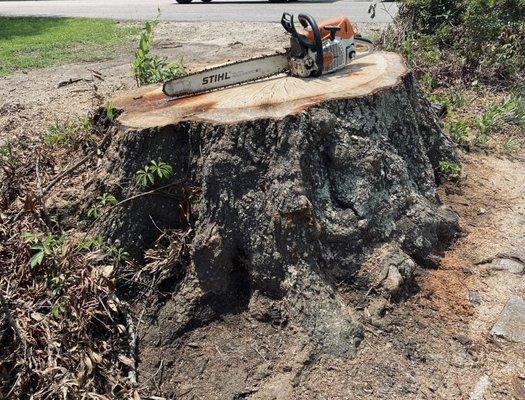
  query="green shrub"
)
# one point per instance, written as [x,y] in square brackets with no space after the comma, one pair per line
[483,38]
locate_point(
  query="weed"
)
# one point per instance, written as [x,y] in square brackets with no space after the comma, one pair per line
[57,310]
[459,131]
[29,237]
[42,246]
[515,108]
[90,243]
[153,69]
[107,199]
[55,284]
[93,211]
[66,133]
[7,155]
[436,97]
[458,99]
[117,254]
[453,100]
[153,171]
[110,111]
[60,133]
[509,111]
[450,170]
[509,145]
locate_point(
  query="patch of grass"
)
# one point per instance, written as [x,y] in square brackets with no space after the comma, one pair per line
[459,131]
[65,133]
[510,144]
[500,115]
[35,42]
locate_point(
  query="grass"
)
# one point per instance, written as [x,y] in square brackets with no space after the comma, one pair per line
[65,133]
[483,118]
[35,42]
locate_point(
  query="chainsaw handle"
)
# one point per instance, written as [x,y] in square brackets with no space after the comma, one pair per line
[306,21]
[287,23]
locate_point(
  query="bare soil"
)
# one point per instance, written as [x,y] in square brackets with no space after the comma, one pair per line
[435,344]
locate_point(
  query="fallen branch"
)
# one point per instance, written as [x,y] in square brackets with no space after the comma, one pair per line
[70,81]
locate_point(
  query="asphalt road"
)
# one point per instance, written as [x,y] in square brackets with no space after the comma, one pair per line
[217,10]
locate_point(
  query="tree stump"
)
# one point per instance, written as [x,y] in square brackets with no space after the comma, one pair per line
[290,189]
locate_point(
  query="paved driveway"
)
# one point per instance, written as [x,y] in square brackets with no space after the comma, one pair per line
[219,10]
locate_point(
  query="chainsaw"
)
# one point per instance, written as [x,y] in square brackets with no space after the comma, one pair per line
[316,50]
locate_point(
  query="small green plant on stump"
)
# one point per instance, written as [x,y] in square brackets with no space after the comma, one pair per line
[152,172]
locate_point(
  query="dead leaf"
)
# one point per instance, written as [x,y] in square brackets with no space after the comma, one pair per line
[112,306]
[95,357]
[126,361]
[107,270]
[89,365]
[37,316]
[121,328]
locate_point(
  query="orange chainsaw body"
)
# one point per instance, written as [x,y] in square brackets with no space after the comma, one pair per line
[346,32]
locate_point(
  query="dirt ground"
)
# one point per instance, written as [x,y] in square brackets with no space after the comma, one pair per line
[436,344]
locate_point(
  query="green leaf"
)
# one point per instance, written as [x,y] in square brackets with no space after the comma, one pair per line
[29,237]
[37,259]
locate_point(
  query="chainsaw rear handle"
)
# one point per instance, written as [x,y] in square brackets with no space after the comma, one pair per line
[307,21]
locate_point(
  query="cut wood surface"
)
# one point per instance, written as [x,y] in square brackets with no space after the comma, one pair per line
[274,98]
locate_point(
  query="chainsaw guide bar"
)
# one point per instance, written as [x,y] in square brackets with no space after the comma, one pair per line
[226,75]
